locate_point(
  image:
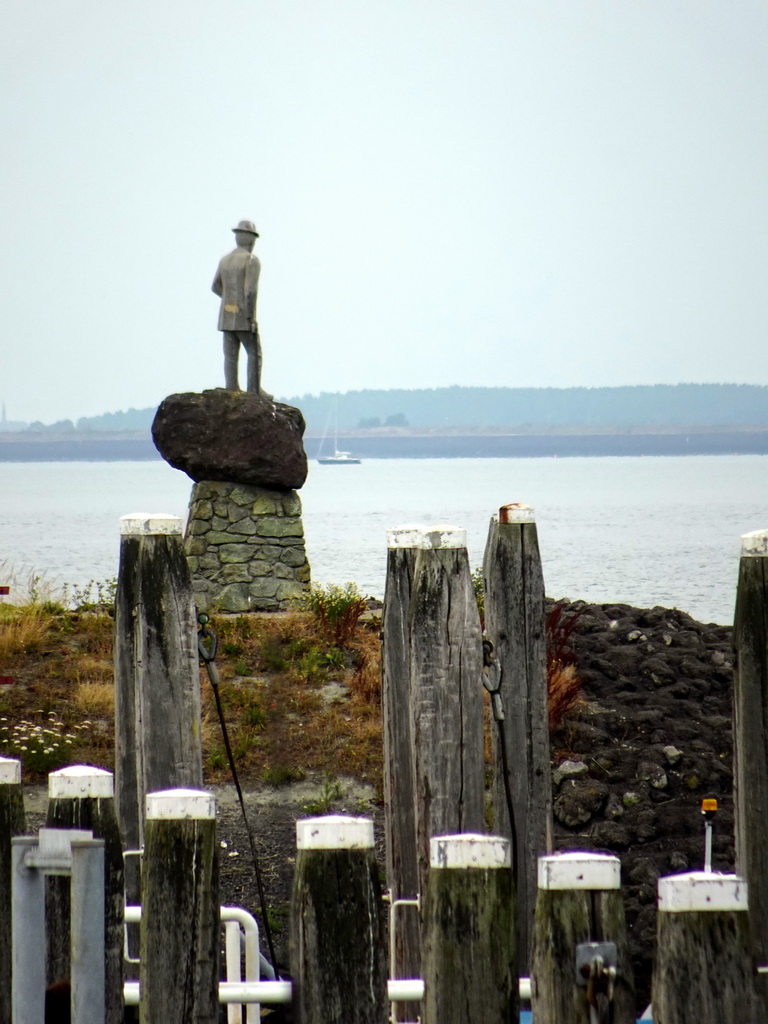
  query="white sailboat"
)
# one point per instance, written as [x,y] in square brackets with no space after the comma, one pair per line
[338,458]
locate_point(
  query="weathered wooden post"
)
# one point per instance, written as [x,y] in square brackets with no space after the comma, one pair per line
[399,786]
[580,955]
[337,939]
[514,623]
[470,961]
[157,676]
[704,969]
[82,797]
[750,703]
[12,823]
[179,974]
[447,696]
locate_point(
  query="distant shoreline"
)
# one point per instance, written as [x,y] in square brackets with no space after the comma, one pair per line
[566,442]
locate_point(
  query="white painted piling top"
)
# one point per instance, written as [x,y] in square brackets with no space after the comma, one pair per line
[10,771]
[177,804]
[80,780]
[410,535]
[702,890]
[334,832]
[516,512]
[755,544]
[579,870]
[445,536]
[442,535]
[469,850]
[144,524]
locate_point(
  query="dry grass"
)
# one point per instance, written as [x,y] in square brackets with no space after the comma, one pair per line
[366,679]
[95,699]
[282,728]
[23,630]
[564,693]
[283,724]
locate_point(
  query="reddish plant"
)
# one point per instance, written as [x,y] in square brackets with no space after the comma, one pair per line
[563,682]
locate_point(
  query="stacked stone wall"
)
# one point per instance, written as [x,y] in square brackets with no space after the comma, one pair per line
[245,547]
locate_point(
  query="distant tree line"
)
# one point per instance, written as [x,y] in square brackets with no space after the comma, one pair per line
[640,405]
[662,405]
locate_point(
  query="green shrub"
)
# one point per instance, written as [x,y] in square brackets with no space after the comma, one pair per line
[337,610]
[478,585]
[95,595]
[329,794]
[282,775]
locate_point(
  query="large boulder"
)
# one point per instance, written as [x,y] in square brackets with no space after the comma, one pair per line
[235,436]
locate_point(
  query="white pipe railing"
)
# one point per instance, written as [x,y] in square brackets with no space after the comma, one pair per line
[271,992]
[250,991]
[241,928]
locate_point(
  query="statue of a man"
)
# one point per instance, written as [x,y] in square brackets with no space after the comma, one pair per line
[237,282]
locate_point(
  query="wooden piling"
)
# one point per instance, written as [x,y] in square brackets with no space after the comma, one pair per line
[704,969]
[470,961]
[446,684]
[157,678]
[578,902]
[12,823]
[337,937]
[179,930]
[82,797]
[399,787]
[750,703]
[514,623]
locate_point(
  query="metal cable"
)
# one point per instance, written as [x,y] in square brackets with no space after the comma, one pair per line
[492,683]
[207,655]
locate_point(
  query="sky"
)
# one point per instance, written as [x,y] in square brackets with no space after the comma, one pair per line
[481,192]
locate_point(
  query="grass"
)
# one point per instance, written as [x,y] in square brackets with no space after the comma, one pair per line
[563,682]
[23,631]
[95,699]
[281,728]
[336,611]
[274,669]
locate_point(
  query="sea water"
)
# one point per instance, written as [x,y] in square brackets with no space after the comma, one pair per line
[644,531]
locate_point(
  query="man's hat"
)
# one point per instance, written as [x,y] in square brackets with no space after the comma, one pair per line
[247,225]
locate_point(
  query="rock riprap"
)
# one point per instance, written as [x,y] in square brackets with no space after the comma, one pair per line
[234,436]
[245,547]
[651,739]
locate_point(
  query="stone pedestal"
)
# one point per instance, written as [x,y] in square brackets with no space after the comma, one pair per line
[245,547]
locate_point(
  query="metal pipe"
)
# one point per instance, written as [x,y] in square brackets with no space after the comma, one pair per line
[708,847]
[400,990]
[232,948]
[405,990]
[393,905]
[245,992]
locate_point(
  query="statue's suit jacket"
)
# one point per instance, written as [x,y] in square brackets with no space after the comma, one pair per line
[237,282]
